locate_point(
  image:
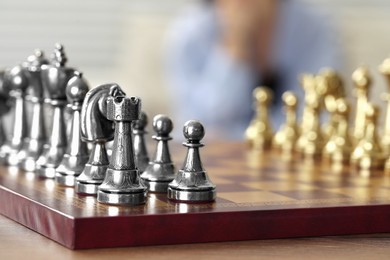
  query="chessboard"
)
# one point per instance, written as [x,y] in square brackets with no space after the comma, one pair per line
[260,195]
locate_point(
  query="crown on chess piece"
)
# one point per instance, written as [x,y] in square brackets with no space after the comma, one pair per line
[192,183]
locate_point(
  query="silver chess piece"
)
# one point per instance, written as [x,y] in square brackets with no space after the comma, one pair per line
[122,184]
[54,79]
[97,130]
[140,151]
[4,105]
[76,155]
[161,171]
[36,136]
[17,82]
[192,183]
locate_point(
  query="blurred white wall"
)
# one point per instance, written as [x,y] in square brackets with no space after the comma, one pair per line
[122,41]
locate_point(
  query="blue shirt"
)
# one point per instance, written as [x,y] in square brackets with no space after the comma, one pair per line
[209,85]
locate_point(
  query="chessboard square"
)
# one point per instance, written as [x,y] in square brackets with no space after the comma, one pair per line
[220,180]
[251,178]
[311,194]
[253,197]
[234,187]
[363,193]
[278,185]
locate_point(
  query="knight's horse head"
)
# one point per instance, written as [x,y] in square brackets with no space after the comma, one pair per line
[95,126]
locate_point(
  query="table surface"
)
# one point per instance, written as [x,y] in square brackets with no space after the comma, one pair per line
[18,242]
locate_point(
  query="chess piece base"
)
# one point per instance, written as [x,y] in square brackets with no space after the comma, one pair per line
[157,186]
[87,188]
[191,196]
[28,164]
[121,198]
[65,180]
[46,172]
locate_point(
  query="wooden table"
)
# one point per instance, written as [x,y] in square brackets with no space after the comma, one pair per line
[18,242]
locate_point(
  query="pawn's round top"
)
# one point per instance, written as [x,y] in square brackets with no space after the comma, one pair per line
[361,78]
[342,105]
[141,123]
[193,131]
[162,125]
[76,88]
[289,99]
[262,94]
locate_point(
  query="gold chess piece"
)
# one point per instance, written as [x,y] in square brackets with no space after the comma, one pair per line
[362,81]
[311,142]
[259,132]
[339,146]
[308,84]
[331,83]
[384,68]
[287,135]
[368,153]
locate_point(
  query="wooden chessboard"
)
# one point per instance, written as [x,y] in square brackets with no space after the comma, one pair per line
[260,195]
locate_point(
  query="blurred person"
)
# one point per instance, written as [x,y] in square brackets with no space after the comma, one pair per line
[219,51]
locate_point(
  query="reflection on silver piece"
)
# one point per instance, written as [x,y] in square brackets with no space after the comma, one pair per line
[122,185]
[54,79]
[76,154]
[96,129]
[18,83]
[140,151]
[36,136]
[161,171]
[192,183]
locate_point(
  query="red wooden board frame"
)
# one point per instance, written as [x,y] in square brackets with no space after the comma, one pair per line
[79,222]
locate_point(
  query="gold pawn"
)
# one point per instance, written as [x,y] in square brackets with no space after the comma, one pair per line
[384,68]
[339,147]
[368,153]
[288,133]
[362,81]
[259,132]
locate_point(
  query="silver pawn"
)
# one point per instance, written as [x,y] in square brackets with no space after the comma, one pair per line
[140,151]
[18,84]
[98,130]
[76,155]
[36,136]
[161,171]
[122,185]
[192,183]
[54,79]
